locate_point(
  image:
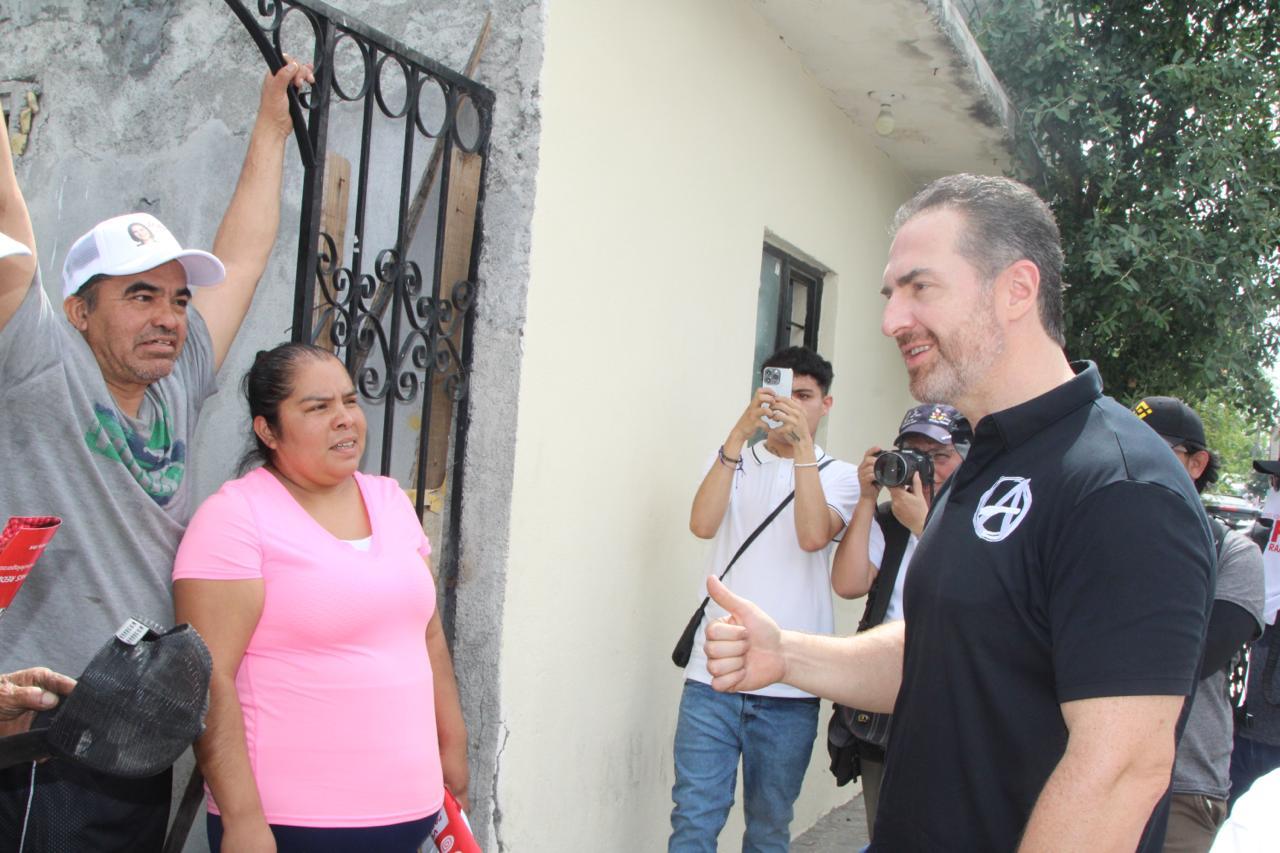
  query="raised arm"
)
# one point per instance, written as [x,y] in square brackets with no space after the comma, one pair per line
[852,571]
[816,522]
[712,499]
[1117,765]
[16,271]
[226,612]
[248,229]
[747,651]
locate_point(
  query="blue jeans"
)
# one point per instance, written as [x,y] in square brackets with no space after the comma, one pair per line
[773,737]
[1250,759]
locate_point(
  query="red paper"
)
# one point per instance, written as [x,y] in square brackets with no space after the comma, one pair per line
[452,833]
[21,543]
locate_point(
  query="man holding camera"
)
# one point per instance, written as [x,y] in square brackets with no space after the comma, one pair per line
[872,560]
[771,728]
[1058,598]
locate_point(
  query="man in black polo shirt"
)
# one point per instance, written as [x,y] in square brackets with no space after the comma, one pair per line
[1060,591]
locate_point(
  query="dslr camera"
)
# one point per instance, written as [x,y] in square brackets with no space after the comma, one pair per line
[896,467]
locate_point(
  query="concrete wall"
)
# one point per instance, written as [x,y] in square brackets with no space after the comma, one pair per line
[674,136]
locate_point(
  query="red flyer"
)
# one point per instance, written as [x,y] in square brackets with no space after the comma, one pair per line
[21,543]
[452,833]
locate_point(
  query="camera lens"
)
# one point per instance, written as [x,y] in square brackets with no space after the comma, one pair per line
[891,469]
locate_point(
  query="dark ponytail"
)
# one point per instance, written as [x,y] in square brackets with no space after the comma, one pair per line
[266,385]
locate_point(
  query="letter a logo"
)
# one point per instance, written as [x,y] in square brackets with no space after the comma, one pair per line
[1002,508]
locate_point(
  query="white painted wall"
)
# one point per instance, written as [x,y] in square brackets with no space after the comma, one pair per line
[674,135]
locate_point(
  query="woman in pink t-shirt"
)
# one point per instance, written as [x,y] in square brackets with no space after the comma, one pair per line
[334,721]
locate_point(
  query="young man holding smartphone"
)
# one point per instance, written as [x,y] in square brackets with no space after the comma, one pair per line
[770,730]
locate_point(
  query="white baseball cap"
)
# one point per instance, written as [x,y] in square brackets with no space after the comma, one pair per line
[10,246]
[130,244]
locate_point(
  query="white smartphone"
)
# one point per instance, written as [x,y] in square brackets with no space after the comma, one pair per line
[777,380]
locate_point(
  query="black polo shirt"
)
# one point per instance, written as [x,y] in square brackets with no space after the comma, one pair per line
[1069,558]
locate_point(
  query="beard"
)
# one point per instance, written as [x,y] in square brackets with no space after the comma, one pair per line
[962,359]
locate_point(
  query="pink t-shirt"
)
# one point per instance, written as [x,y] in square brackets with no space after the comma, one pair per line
[339,713]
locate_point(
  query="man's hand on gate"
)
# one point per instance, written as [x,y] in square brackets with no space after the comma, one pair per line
[273,108]
[744,651]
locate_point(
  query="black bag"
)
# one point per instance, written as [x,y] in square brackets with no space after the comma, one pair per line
[853,733]
[684,646]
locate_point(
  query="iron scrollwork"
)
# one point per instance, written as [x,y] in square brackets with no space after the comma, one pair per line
[402,329]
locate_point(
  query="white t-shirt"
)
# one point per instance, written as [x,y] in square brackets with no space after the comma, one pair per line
[1271,557]
[790,584]
[875,552]
[1254,824]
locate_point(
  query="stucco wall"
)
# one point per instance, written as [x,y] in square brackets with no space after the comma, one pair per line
[674,135]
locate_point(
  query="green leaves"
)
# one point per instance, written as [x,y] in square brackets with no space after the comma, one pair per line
[1153,129]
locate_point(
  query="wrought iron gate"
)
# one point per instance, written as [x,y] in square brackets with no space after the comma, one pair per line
[395,144]
[420,140]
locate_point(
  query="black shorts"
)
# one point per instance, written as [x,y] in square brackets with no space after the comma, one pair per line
[74,810]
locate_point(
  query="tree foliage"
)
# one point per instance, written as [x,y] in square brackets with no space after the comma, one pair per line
[1152,130]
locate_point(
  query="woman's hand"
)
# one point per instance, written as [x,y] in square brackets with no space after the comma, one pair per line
[247,836]
[457,776]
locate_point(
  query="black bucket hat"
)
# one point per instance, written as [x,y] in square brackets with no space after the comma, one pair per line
[139,704]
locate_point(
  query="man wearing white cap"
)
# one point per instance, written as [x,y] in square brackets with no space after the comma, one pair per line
[97,411]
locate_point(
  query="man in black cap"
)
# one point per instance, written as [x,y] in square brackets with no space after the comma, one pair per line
[872,560]
[1257,743]
[1201,777]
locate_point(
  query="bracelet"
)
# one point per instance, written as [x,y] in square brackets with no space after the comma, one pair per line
[728,460]
[805,465]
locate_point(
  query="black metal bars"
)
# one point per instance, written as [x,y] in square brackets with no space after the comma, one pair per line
[403,333]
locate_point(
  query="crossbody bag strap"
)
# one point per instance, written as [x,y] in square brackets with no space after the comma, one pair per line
[779,508]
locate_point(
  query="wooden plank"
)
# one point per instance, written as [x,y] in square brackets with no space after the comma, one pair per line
[333,221]
[459,233]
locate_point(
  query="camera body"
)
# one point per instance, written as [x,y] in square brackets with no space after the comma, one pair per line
[895,468]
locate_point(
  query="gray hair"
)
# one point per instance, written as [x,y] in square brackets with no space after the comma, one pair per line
[1004,222]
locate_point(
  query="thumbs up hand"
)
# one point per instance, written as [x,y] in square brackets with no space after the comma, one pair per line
[744,650]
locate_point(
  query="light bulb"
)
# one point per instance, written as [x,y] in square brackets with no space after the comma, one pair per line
[885,122]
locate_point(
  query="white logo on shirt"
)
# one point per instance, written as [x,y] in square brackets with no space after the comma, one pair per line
[997,517]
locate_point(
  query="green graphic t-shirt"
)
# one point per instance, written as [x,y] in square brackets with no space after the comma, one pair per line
[120,484]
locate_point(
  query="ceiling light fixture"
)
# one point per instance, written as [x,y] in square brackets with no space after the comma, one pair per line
[885,121]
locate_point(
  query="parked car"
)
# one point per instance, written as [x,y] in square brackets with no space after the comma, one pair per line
[1232,511]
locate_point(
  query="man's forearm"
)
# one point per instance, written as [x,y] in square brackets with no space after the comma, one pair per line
[862,671]
[712,498]
[248,229]
[852,571]
[813,518]
[1116,766]
[1081,809]
[16,271]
